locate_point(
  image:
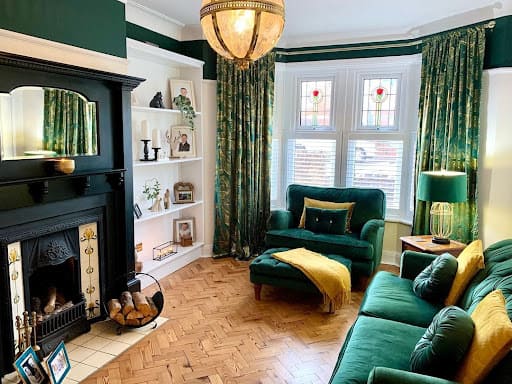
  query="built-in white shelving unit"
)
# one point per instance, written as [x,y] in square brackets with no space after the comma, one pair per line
[158,66]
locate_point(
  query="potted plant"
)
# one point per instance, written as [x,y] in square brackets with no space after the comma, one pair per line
[184,104]
[151,190]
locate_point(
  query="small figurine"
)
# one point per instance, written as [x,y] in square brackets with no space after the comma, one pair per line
[157,101]
[167,199]
[157,205]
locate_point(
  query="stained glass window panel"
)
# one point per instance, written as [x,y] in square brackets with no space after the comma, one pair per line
[379,103]
[315,103]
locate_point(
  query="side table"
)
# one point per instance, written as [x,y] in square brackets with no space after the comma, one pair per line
[424,244]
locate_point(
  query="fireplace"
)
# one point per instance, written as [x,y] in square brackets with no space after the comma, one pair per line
[66,240]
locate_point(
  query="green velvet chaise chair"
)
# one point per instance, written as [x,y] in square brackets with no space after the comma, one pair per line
[363,246]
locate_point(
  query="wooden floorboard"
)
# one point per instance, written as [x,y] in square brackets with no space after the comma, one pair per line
[219,334]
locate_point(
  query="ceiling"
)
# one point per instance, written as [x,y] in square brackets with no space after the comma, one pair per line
[328,21]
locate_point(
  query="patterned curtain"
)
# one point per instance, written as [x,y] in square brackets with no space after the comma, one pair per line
[449,120]
[69,123]
[245,101]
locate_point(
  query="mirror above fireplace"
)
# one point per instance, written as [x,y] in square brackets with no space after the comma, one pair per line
[37,122]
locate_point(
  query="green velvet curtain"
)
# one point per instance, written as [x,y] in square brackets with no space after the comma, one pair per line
[69,126]
[245,101]
[449,120]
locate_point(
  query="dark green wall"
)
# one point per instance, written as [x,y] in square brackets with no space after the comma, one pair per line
[98,25]
[498,46]
[136,32]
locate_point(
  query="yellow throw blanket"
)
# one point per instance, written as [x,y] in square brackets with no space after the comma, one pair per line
[330,277]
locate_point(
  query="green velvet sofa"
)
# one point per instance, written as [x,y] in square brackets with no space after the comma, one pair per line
[363,246]
[392,319]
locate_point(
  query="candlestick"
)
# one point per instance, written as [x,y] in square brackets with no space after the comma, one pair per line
[156,153]
[146,151]
[156,139]
[145,130]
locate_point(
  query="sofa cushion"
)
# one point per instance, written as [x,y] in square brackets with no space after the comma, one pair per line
[349,246]
[470,261]
[312,203]
[492,339]
[391,297]
[265,264]
[434,282]
[444,344]
[331,221]
[376,342]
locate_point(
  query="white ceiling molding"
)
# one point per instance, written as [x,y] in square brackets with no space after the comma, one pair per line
[153,20]
[25,45]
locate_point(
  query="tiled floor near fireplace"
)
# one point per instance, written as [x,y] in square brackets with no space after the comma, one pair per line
[94,349]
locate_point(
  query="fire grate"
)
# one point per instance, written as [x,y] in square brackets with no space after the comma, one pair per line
[62,319]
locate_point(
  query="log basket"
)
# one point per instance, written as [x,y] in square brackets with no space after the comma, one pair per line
[158,299]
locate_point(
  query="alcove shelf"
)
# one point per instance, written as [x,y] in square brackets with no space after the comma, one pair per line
[138,163]
[148,215]
[136,108]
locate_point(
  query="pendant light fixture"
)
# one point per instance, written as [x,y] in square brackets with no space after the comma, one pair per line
[242,31]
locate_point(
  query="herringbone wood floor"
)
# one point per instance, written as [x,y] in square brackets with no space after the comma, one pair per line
[218,333]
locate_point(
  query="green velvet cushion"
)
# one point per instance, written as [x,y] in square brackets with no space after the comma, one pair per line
[383,375]
[444,344]
[330,221]
[375,342]
[435,281]
[391,297]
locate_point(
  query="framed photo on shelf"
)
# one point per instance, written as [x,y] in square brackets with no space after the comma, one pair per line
[29,368]
[136,211]
[184,230]
[58,364]
[183,193]
[182,89]
[182,141]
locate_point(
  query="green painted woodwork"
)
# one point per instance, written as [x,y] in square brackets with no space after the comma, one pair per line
[201,50]
[97,25]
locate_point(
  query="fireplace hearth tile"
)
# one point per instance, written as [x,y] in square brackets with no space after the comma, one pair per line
[80,371]
[97,343]
[82,339]
[98,359]
[79,354]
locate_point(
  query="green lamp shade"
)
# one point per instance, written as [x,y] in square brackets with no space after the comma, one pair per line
[442,186]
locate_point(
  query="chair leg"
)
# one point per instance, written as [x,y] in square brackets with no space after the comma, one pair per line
[257,291]
[331,308]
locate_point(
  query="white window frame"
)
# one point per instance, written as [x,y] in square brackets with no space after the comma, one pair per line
[346,110]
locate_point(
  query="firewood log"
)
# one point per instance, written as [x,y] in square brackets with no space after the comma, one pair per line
[146,320]
[119,318]
[126,302]
[152,306]
[141,303]
[50,304]
[134,315]
[133,322]
[114,306]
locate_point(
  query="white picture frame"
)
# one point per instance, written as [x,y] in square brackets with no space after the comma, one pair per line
[184,225]
[182,140]
[184,88]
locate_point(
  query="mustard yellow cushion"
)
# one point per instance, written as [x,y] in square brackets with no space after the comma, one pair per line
[492,339]
[470,261]
[312,203]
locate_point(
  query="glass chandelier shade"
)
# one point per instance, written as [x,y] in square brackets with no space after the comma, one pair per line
[242,31]
[442,188]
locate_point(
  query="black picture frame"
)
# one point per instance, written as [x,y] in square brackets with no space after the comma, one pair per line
[137,211]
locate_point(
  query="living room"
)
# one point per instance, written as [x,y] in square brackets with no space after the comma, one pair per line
[131,50]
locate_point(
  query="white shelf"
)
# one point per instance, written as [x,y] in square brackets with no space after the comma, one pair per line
[159,269]
[136,108]
[148,215]
[138,163]
[155,54]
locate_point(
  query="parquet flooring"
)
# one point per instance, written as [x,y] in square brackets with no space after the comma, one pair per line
[219,334]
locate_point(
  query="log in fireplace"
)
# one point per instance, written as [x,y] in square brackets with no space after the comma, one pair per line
[66,237]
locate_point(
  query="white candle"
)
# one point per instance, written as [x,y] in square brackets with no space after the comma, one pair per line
[156,139]
[145,130]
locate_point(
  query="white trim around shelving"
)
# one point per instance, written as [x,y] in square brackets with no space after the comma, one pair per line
[138,163]
[137,49]
[147,215]
[160,269]
[136,108]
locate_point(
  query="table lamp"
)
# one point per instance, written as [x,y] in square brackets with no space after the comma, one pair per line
[442,188]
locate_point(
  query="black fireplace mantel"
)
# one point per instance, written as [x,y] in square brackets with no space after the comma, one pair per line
[102,184]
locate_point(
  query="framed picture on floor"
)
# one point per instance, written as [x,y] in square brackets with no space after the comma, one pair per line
[58,364]
[29,368]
